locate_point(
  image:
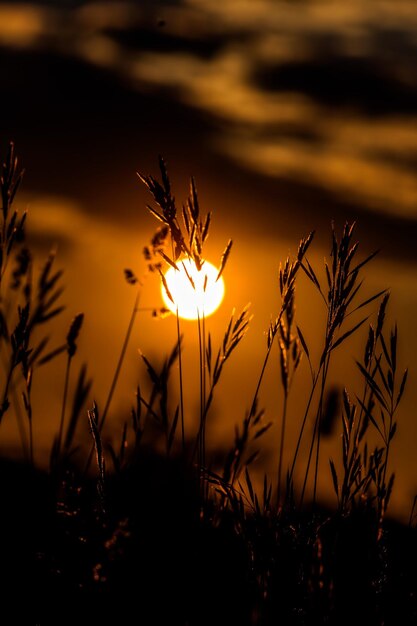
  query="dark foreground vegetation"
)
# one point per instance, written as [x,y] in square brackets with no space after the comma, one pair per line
[154,528]
[150,558]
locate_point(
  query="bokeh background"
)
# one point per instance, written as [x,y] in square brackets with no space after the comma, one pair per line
[289,115]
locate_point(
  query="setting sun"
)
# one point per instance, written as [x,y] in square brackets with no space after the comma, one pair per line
[194,292]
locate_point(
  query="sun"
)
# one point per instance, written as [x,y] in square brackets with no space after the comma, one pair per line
[201,295]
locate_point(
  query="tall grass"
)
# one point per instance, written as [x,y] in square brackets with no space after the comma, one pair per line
[266,553]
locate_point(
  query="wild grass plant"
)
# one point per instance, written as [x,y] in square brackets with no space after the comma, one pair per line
[161,529]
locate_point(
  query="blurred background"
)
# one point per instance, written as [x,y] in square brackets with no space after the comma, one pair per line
[289,114]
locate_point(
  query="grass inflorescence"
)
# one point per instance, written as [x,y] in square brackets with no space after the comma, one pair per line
[163,529]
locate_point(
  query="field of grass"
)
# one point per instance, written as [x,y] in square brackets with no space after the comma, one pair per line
[156,527]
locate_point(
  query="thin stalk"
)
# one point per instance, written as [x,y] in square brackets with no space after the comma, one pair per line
[281,448]
[202,422]
[7,385]
[308,463]
[387,449]
[265,363]
[20,423]
[120,361]
[181,384]
[201,435]
[29,414]
[201,430]
[261,375]
[30,433]
[5,200]
[391,419]
[203,368]
[19,417]
[413,507]
[180,368]
[260,379]
[64,403]
[116,374]
[324,360]
[319,422]
[317,425]
[203,365]
[10,385]
[361,412]
[307,410]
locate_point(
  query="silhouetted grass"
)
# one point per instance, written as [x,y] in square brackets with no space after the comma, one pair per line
[167,532]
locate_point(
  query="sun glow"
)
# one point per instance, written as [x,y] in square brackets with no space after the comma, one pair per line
[199,296]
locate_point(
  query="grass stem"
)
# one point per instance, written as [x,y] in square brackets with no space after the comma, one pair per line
[116,374]
[64,403]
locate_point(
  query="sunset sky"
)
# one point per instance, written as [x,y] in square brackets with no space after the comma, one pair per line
[288,114]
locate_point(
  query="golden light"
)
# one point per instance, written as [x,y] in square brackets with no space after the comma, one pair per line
[199,296]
